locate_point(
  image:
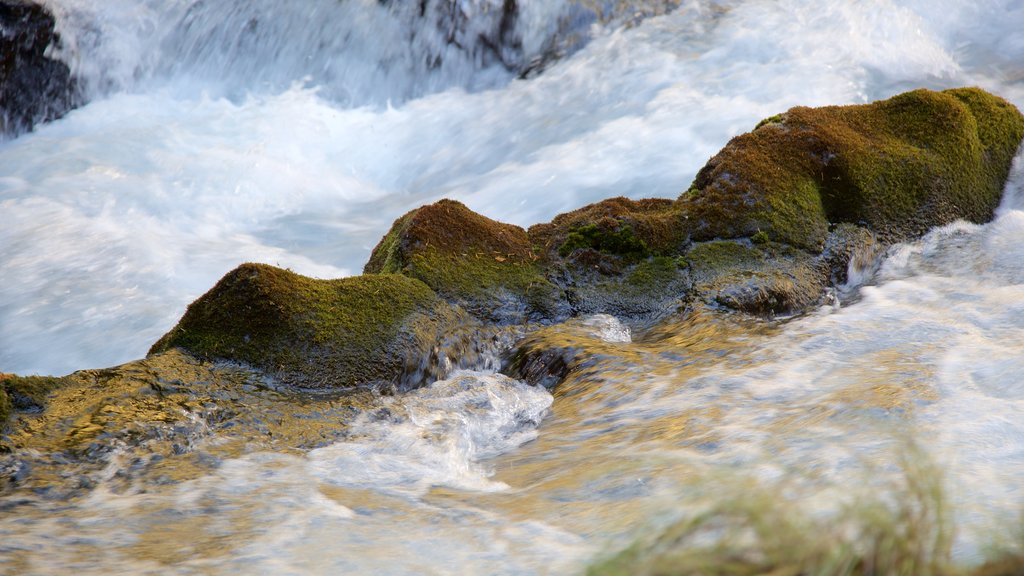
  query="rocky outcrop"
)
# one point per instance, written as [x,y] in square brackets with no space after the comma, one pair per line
[24,394]
[34,87]
[768,225]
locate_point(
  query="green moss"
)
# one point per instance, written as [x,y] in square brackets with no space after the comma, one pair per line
[720,255]
[620,226]
[312,333]
[776,119]
[653,273]
[5,408]
[619,240]
[386,257]
[760,238]
[476,281]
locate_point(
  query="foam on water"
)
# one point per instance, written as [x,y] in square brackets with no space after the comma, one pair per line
[435,436]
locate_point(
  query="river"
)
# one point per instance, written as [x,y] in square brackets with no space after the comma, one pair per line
[294,133]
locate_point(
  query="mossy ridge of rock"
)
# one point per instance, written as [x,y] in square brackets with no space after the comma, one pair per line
[898,167]
[485,266]
[616,256]
[322,333]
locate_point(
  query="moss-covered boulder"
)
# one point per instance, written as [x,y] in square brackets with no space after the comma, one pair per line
[487,267]
[323,333]
[767,225]
[897,167]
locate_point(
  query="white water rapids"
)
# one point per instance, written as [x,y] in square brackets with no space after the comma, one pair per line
[294,133]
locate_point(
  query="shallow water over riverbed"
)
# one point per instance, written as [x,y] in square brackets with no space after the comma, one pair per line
[129,208]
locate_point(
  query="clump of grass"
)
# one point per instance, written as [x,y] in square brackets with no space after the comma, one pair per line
[905,530]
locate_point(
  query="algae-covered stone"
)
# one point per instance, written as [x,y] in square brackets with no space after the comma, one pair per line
[763,278]
[898,167]
[322,333]
[485,266]
[152,417]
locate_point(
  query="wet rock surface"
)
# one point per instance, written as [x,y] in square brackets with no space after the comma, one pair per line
[152,418]
[34,86]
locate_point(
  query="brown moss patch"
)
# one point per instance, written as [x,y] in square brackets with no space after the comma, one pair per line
[617,226]
[317,333]
[451,229]
[485,266]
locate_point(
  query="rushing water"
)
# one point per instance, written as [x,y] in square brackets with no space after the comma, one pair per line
[294,133]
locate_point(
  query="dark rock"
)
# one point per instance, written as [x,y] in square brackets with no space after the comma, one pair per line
[34,87]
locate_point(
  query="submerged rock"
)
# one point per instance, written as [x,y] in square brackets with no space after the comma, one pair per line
[308,333]
[149,420]
[34,87]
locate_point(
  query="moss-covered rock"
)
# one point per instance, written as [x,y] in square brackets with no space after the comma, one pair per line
[644,290]
[5,407]
[485,266]
[767,225]
[323,333]
[897,167]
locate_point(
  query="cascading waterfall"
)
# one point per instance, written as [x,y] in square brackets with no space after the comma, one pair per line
[293,133]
